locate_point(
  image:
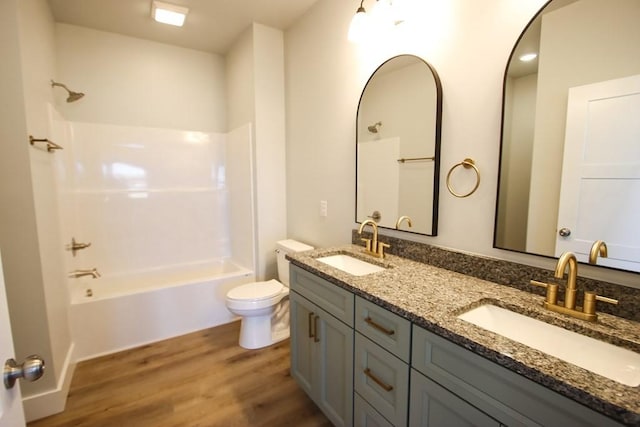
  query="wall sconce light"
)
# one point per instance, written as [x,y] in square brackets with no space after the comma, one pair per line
[384,15]
[359,24]
[167,13]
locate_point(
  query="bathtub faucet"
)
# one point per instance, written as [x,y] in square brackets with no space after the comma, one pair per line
[81,273]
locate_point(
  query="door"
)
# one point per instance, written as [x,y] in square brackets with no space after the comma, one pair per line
[600,188]
[11,412]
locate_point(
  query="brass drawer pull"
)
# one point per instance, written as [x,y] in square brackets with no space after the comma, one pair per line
[316,338]
[310,329]
[382,329]
[377,380]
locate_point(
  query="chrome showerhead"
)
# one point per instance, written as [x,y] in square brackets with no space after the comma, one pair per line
[73,96]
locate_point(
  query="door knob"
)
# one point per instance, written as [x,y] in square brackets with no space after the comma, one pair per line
[564,232]
[31,369]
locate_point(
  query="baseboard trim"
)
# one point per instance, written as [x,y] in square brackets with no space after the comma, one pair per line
[52,401]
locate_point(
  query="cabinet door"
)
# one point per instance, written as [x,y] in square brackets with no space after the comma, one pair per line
[435,406]
[302,345]
[334,363]
[365,416]
[322,359]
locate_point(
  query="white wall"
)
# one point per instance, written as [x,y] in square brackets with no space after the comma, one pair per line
[29,236]
[130,81]
[516,162]
[255,85]
[468,43]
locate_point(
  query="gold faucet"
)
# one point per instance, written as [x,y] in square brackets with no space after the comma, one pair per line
[588,310]
[81,273]
[403,218]
[372,246]
[569,259]
[598,247]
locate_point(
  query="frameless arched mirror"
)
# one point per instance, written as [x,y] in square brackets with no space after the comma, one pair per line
[570,151]
[398,146]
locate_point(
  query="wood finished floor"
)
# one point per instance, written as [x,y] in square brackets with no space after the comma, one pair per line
[199,379]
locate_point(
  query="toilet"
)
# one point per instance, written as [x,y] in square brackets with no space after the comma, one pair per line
[263,306]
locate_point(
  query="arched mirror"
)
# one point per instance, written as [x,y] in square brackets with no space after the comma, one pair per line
[398,146]
[570,154]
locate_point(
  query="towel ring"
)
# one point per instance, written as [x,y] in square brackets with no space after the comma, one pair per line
[466,163]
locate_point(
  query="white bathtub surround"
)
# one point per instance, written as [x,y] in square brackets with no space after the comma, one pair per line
[160,208]
[163,304]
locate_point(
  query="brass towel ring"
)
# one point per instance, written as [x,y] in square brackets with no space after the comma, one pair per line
[466,163]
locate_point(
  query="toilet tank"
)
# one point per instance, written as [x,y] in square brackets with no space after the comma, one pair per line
[284,247]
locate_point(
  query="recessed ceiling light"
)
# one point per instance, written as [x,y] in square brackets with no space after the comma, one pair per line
[167,13]
[528,57]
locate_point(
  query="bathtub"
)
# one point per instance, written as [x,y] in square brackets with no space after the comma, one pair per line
[141,308]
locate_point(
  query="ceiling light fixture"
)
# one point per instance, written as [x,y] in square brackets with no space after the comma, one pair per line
[528,57]
[167,13]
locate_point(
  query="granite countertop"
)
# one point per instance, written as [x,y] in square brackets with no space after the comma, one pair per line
[433,297]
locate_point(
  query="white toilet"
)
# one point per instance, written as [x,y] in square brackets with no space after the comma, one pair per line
[262,305]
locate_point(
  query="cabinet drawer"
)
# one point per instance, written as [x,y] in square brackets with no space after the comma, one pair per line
[504,395]
[330,297]
[383,327]
[381,379]
[364,415]
[434,406]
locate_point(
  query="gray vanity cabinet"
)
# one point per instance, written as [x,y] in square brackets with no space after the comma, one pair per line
[433,405]
[366,366]
[322,345]
[476,383]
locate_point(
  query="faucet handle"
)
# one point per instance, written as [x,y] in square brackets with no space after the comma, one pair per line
[380,249]
[552,290]
[367,244]
[590,299]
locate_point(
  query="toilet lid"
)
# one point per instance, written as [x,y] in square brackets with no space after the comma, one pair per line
[256,290]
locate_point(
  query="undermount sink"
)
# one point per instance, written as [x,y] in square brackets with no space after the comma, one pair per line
[351,265]
[610,361]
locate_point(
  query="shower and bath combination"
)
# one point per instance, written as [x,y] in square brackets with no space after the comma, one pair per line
[73,96]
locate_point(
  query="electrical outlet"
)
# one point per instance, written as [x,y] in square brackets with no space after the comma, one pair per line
[323,208]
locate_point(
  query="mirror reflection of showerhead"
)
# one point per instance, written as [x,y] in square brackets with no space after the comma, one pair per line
[73,96]
[374,127]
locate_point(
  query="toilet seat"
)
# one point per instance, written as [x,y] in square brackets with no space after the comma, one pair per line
[256,295]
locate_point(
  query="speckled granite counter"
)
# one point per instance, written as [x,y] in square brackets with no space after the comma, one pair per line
[432,298]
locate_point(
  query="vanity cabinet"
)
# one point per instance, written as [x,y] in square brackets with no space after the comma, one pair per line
[322,344]
[458,378]
[366,366]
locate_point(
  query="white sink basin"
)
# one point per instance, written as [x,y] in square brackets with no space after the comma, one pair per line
[615,363]
[350,265]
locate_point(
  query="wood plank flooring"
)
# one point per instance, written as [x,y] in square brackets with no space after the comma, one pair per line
[199,379]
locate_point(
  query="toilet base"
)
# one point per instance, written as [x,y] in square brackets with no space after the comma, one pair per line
[256,332]
[265,330]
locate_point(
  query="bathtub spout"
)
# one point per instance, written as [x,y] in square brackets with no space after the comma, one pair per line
[81,273]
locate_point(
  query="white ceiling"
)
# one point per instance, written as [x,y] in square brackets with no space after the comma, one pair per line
[211,25]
